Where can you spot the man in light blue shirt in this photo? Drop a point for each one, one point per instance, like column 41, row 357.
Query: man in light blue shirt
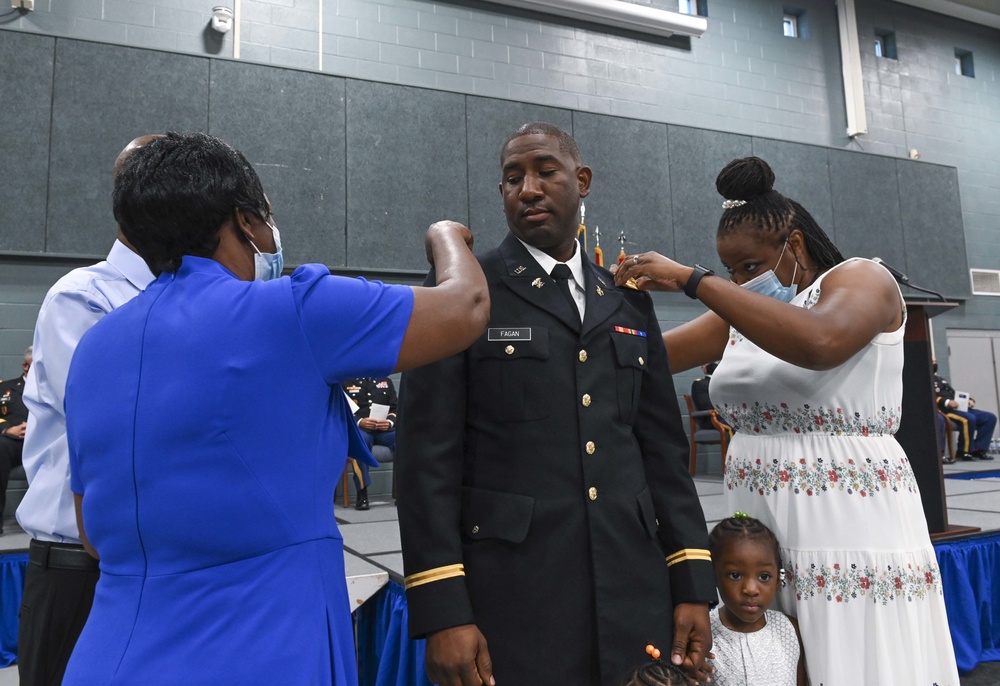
column 61, row 576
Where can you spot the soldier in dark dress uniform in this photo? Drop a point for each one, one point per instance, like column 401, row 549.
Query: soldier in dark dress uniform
column 13, row 422
column 975, row 427
column 365, row 392
column 548, row 521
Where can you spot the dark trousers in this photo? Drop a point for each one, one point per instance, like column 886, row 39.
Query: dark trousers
column 10, row 457
column 975, row 429
column 54, row 608
column 386, row 438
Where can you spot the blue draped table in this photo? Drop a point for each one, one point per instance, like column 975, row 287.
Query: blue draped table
column 386, row 654
column 11, row 583
column 388, row 657
column 969, row 569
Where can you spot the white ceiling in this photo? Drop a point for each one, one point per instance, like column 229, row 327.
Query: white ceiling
column 986, row 12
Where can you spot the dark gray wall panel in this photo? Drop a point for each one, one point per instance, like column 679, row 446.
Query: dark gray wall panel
column 696, row 158
column 866, row 206
column 25, row 109
column 802, row 173
column 290, row 125
column 104, row 97
column 406, row 156
column 489, row 122
column 934, row 234
column 631, row 187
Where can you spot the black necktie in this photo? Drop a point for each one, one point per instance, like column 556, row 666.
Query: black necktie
column 562, row 274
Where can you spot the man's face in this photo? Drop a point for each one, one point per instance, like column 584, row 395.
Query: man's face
column 26, row 365
column 541, row 189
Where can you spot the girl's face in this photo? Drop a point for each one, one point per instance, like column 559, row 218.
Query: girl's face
column 747, row 576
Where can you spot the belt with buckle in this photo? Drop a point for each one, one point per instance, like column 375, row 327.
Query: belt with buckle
column 49, row 555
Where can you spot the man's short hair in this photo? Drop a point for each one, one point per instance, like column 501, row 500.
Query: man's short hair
column 566, row 142
column 172, row 196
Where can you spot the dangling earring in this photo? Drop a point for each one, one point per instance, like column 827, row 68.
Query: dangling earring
column 782, row 574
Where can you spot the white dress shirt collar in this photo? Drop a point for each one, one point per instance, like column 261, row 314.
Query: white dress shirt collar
column 135, row 270
column 575, row 264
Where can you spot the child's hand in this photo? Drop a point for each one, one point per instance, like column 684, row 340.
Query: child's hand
column 705, row 674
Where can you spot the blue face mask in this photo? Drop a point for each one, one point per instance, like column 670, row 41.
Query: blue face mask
column 268, row 265
column 769, row 285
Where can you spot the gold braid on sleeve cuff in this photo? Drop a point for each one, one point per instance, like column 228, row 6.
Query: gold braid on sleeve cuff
column 436, row 574
column 689, row 554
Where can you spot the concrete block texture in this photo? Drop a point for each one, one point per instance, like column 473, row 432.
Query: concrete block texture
column 302, row 162
column 406, row 151
column 26, row 106
column 102, row 97
column 630, row 192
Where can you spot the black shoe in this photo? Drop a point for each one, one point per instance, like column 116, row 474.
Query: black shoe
column 968, row 457
column 981, row 455
column 362, row 501
column 947, row 459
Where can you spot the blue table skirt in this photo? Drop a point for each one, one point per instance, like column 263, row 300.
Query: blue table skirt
column 969, row 569
column 387, row 657
column 11, row 582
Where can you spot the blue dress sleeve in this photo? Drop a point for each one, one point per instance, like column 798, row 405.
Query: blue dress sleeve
column 354, row 327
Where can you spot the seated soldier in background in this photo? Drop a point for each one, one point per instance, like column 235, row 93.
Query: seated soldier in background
column 975, row 427
column 13, row 422
column 365, row 392
column 701, row 400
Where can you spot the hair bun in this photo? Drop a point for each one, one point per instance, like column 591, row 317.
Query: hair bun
column 744, row 179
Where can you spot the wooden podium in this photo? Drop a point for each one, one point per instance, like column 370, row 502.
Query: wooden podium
column 918, row 428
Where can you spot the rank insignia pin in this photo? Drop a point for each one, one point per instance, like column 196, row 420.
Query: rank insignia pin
column 520, row 269
column 599, row 291
column 538, row 283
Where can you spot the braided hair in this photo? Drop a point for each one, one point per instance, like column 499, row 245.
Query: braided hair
column 750, row 182
column 655, row 673
column 741, row 526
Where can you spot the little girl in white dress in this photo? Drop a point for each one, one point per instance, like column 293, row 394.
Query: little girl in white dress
column 753, row 646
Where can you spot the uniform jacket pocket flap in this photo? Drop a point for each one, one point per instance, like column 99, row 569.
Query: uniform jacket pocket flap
column 646, row 511
column 631, row 351
column 495, row 514
column 496, row 346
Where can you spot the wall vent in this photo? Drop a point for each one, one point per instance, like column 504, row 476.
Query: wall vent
column 985, row 281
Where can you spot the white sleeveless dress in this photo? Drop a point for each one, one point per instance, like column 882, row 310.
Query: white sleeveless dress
column 769, row 657
column 815, row 460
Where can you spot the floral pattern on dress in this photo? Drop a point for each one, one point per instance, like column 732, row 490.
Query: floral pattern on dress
column 864, row 477
column 812, row 298
column 843, row 583
column 768, row 418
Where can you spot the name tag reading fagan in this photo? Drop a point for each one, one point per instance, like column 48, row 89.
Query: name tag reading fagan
column 511, row 334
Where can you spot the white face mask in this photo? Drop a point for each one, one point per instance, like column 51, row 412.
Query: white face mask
column 268, row 265
column 768, row 283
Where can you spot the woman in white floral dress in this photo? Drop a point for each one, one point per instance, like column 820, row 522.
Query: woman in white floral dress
column 811, row 378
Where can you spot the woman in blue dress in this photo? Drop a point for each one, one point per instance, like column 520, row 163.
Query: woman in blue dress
column 208, row 430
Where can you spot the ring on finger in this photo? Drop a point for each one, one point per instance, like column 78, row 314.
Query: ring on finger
column 635, row 259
